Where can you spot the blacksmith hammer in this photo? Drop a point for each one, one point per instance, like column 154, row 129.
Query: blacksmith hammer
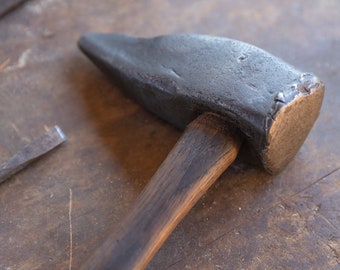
column 229, row 92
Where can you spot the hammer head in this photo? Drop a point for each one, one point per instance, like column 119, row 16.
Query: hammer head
column 179, row 77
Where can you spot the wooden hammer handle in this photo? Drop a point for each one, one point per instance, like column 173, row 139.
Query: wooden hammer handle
column 201, row 155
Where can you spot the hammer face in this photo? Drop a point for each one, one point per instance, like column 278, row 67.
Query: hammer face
column 292, row 123
column 179, row 77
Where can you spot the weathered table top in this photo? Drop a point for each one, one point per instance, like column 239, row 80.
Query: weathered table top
column 58, row 210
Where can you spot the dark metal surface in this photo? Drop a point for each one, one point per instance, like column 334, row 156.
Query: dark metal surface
column 7, row 6
column 31, row 152
column 247, row 220
column 178, row 77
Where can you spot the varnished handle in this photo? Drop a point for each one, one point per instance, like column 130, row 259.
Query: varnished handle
column 201, row 155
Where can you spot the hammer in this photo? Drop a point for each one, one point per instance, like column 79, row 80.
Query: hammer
column 224, row 92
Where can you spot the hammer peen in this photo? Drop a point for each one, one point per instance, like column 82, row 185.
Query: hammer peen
column 223, row 91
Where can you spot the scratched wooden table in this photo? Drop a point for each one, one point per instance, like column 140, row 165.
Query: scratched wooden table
column 58, row 210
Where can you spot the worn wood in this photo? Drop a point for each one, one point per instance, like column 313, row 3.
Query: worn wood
column 201, row 155
column 247, row 219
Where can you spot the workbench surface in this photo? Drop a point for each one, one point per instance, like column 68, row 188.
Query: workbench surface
column 58, row 210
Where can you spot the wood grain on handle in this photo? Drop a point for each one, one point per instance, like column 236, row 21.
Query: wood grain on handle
column 201, row 155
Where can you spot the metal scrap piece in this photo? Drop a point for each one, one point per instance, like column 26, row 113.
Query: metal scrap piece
column 31, row 152
column 7, row 6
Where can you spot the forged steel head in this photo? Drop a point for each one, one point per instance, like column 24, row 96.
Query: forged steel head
column 179, row 77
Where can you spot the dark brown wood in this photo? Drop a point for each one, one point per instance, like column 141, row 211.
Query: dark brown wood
column 246, row 220
column 200, row 156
